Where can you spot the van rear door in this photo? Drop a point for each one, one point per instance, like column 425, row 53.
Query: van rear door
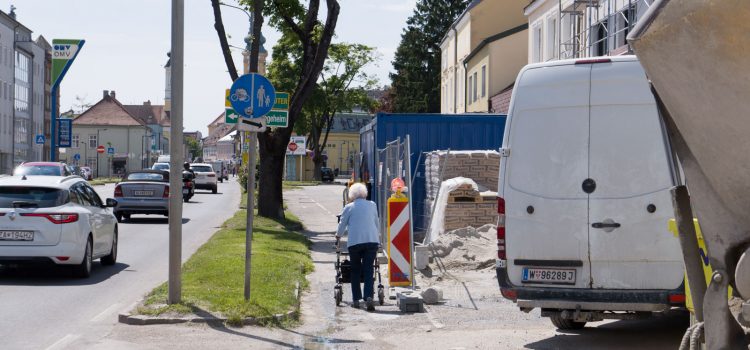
column 546, row 210
column 630, row 246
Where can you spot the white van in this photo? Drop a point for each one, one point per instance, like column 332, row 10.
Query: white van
column 584, row 195
column 163, row 159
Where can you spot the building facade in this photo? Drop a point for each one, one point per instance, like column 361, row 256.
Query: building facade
column 109, row 124
column 481, row 54
column 23, row 77
column 561, row 29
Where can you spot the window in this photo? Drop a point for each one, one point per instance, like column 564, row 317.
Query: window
column 96, row 201
column 475, row 87
column 75, row 141
column 536, row 48
column 92, row 141
column 37, row 197
column 484, row 81
column 469, row 86
column 551, row 38
column 600, row 30
column 22, row 75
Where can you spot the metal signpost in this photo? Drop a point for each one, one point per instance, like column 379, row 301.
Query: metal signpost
column 64, row 52
column 177, row 156
column 251, row 97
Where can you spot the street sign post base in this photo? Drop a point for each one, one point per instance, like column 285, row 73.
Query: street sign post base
column 252, row 125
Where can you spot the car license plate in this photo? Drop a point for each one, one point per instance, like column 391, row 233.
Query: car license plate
column 557, row 276
column 16, row 235
column 143, row 193
column 185, row 191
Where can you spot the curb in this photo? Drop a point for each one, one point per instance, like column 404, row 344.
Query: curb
column 146, row 320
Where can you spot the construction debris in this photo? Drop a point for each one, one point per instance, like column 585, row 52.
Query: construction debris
column 432, row 295
column 466, row 249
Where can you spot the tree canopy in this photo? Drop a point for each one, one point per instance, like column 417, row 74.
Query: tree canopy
column 415, row 84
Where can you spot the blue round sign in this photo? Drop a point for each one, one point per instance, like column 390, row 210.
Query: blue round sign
column 252, row 95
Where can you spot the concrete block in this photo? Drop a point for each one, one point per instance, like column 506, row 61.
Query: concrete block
column 409, row 302
column 432, row 295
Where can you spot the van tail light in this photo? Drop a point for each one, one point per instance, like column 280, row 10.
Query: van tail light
column 501, row 228
column 64, row 218
column 118, row 191
column 166, row 192
column 677, row 298
column 509, row 293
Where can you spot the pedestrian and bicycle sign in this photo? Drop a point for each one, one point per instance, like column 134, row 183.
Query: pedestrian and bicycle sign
column 252, row 96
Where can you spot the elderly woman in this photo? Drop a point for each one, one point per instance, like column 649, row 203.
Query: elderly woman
column 360, row 219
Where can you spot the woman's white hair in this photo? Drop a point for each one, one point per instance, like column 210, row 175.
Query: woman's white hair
column 357, row 190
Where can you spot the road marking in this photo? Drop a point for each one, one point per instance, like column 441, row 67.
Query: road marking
column 433, row 319
column 106, row 312
column 65, row 341
column 322, row 207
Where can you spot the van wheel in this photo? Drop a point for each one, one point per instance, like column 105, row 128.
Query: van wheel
column 566, row 324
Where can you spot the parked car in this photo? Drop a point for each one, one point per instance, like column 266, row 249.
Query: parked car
column 53, row 219
column 205, row 177
column 87, row 173
column 142, row 192
column 584, row 197
column 160, row 166
column 44, row 169
column 326, row 174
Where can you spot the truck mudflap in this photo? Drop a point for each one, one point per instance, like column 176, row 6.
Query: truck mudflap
column 592, row 299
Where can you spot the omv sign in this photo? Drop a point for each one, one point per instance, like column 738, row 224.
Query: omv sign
column 64, row 51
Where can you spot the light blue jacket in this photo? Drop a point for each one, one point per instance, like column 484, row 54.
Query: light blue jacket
column 360, row 220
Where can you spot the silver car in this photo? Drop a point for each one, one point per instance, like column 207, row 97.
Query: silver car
column 142, row 192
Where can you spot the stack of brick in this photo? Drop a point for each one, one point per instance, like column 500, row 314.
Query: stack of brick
column 466, row 206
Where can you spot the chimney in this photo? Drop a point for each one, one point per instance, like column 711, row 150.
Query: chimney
column 112, row 94
column 147, row 103
column 105, row 94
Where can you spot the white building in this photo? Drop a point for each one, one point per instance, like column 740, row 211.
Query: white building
column 560, row 29
column 22, row 93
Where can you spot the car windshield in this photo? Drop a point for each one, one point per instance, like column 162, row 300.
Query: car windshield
column 202, row 169
column 36, row 197
column 162, row 166
column 45, row 170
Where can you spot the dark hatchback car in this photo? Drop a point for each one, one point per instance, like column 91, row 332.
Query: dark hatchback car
column 326, row 174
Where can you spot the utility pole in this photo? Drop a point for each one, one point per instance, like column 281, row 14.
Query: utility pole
column 177, row 156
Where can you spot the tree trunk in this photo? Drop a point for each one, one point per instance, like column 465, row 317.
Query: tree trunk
column 271, row 172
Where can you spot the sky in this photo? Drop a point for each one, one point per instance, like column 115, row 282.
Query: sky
column 127, row 42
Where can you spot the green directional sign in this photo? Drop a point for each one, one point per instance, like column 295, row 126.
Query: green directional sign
column 278, row 119
column 230, row 116
column 64, row 51
column 282, row 101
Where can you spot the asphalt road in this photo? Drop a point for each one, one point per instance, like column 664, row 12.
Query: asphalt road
column 45, row 308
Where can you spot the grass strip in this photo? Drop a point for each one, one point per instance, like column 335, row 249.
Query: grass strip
column 213, row 278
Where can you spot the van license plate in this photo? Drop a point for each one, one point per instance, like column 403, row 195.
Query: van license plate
column 16, row 235
column 557, row 276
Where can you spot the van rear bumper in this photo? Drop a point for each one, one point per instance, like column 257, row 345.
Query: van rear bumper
column 587, row 299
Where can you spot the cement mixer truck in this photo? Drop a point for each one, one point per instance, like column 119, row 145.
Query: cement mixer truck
column 696, row 55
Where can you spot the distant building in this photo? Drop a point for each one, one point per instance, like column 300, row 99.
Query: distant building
column 108, row 123
column 24, row 93
column 217, row 131
column 155, row 117
column 482, row 53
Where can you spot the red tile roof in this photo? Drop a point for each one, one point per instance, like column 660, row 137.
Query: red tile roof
column 108, row 111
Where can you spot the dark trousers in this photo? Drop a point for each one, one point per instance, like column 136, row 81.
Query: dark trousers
column 362, row 257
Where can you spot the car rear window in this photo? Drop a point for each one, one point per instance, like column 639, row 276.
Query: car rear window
column 37, row 197
column 146, row 177
column 46, row 170
column 202, row 169
column 161, row 166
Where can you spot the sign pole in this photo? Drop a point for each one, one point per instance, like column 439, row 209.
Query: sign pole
column 52, row 124
column 177, row 156
column 250, row 210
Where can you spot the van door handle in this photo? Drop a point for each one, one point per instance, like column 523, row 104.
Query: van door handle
column 605, row 225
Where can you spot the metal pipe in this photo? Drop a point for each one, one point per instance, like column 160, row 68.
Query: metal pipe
column 177, row 156
column 683, row 214
column 407, row 161
column 250, row 211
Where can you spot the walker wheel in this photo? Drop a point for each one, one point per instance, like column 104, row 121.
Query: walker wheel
column 337, row 295
column 381, row 295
